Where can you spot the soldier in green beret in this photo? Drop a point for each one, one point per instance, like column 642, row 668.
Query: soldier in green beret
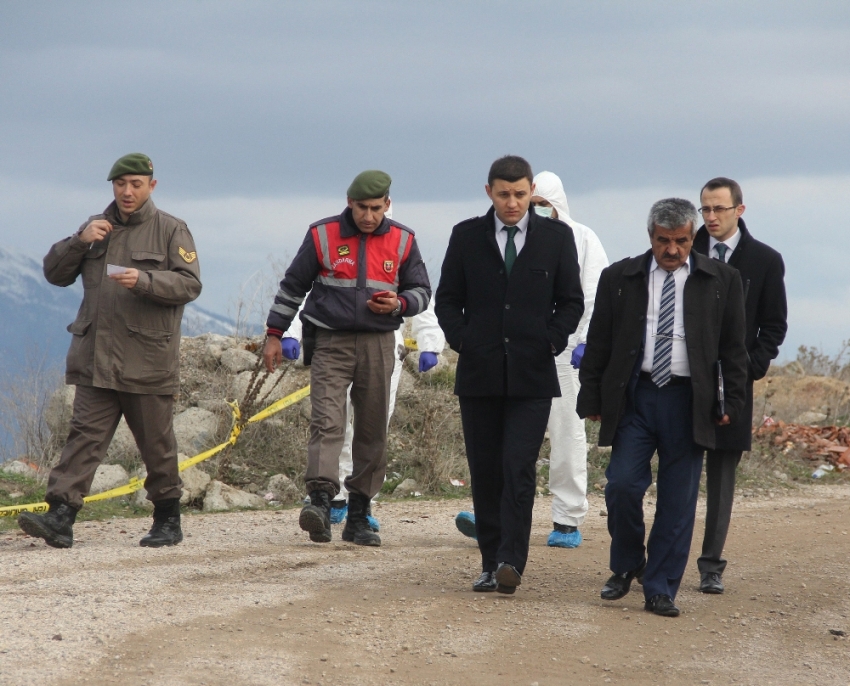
column 139, row 267
column 363, row 273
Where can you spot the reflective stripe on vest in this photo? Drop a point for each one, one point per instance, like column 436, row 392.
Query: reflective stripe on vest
column 339, row 257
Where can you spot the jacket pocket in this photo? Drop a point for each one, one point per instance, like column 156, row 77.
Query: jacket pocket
column 80, row 358
column 92, row 267
column 148, row 260
column 150, row 358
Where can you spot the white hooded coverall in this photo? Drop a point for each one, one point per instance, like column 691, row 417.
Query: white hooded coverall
column 567, row 437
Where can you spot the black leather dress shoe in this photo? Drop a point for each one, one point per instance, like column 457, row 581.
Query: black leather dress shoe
column 661, row 605
column 507, row 578
column 619, row 584
column 709, row 582
column 485, row 583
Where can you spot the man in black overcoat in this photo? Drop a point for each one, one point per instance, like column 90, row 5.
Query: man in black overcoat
column 725, row 237
column 509, row 298
column 661, row 322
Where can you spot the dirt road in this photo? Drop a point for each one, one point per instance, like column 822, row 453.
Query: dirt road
column 246, row 599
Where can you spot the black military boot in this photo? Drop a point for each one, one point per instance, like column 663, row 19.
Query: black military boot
column 166, row 525
column 55, row 526
column 315, row 517
column 357, row 529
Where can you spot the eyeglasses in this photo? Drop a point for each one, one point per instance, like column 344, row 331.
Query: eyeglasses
column 717, row 209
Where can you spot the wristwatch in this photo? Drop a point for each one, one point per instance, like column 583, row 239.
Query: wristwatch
column 397, row 311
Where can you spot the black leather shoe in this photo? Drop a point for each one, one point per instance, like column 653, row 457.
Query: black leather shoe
column 661, row 605
column 55, row 526
column 507, row 578
column 709, row 582
column 619, row 584
column 315, row 518
column 485, row 583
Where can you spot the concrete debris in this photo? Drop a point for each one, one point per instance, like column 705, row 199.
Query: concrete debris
column 237, row 360
column 195, row 483
column 107, row 477
column 220, row 497
column 19, row 467
column 405, row 488
column 284, row 490
column 195, row 430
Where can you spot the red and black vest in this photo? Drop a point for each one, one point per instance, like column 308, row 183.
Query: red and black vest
column 341, row 258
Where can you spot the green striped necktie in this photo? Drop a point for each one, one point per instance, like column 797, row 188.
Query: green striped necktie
column 510, row 249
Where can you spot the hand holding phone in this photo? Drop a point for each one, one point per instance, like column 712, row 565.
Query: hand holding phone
column 381, row 294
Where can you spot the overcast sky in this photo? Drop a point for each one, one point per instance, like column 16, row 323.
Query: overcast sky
column 258, row 114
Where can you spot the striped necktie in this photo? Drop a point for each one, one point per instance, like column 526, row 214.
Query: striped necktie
column 510, row 248
column 663, row 354
column 721, row 251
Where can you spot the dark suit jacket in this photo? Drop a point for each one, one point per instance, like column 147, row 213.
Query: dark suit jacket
column 508, row 330
column 763, row 277
column 714, row 330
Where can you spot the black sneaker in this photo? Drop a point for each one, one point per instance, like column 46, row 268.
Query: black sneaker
column 315, row 518
column 55, row 526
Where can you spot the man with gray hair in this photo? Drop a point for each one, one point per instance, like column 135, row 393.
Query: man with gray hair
column 665, row 326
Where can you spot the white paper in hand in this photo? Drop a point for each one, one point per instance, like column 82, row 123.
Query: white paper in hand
column 114, row 269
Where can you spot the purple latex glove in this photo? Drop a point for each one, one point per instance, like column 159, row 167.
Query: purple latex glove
column 290, row 347
column 578, row 353
column 427, row 361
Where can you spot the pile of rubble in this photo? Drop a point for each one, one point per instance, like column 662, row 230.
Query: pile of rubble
column 829, row 444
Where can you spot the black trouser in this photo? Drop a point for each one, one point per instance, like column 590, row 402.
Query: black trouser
column 503, row 436
column 720, row 468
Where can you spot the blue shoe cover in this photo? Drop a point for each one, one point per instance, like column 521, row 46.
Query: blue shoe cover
column 558, row 539
column 373, row 523
column 465, row 523
column 338, row 514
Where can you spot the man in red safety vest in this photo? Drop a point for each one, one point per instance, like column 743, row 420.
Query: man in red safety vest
column 363, row 273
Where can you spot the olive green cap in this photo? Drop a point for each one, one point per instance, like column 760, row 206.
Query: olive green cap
column 370, row 184
column 134, row 163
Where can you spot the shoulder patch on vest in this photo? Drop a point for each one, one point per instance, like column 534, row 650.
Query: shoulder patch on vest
column 388, row 265
column 188, row 257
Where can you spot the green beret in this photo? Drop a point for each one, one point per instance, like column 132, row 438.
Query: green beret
column 370, row 184
column 134, row 163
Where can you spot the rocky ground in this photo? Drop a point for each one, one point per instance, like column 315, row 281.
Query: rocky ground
column 247, row 599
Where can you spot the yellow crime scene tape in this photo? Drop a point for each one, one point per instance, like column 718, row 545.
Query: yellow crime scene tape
column 411, row 343
column 135, row 483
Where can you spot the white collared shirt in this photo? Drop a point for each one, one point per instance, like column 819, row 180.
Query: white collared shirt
column 731, row 243
column 519, row 236
column 679, row 363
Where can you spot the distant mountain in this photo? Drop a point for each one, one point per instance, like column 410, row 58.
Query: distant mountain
column 35, row 313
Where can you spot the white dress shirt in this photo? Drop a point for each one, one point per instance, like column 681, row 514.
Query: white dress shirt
column 502, row 234
column 679, row 363
column 731, row 243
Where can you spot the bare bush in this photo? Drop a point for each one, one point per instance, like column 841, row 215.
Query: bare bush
column 25, row 398
column 812, row 361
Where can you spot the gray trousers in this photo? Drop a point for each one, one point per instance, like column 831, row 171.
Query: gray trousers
column 720, row 468
column 96, row 414
column 365, row 361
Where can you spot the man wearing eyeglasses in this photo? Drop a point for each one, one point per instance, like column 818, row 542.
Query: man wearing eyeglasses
column 725, row 237
column 661, row 321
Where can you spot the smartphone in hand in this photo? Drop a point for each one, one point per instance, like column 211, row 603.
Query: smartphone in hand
column 381, row 294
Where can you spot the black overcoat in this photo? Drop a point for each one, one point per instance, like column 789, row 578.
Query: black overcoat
column 714, row 330
column 763, row 277
column 508, row 329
